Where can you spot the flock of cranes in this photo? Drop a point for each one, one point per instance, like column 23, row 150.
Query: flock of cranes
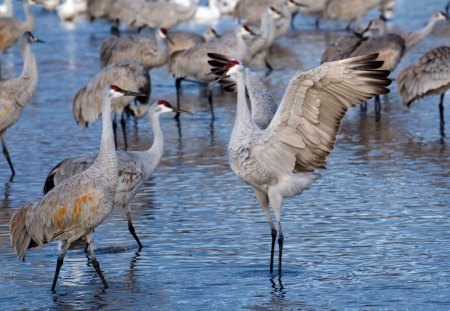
column 276, row 148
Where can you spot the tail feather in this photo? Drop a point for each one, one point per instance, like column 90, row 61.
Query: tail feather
column 20, row 237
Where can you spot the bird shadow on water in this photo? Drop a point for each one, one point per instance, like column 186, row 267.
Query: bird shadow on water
column 278, row 291
column 6, row 194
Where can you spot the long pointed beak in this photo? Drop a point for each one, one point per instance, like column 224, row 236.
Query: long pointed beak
column 170, row 40
column 218, row 79
column 39, row 40
column 182, row 111
column 131, row 93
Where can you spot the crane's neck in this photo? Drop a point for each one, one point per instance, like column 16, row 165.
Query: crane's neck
column 186, row 14
column 243, row 119
column 162, row 47
column 152, row 156
column 29, row 23
column 268, row 29
column 107, row 158
column 241, row 46
column 419, row 35
column 29, row 74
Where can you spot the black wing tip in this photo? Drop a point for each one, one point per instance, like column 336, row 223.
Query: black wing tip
column 217, row 56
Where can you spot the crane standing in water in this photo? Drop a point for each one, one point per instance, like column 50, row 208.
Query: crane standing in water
column 16, row 93
column 279, row 161
column 135, row 167
column 74, row 208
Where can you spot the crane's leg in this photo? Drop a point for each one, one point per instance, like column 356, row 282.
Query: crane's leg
column 377, row 107
column 59, row 264
column 317, row 23
column 94, row 260
column 8, row 159
column 178, row 88
column 363, row 106
column 264, row 203
column 293, row 20
column 114, row 125
column 124, row 130
column 268, row 66
column 441, row 114
column 276, row 200
column 210, row 102
column 131, row 228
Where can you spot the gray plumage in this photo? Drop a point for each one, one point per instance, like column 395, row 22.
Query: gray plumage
column 129, row 75
column 351, row 10
column 134, row 167
column 280, row 160
column 11, row 29
column 342, row 48
column 148, row 51
column 429, row 76
column 16, row 93
column 183, row 40
column 76, row 206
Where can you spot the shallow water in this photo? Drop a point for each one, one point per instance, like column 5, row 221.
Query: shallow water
column 372, row 234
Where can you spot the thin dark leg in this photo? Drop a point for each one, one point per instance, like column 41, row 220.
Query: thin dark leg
column 293, row 20
column 280, row 255
column 8, row 159
column 115, row 28
column 441, row 115
column 178, row 87
column 363, row 107
column 269, row 67
column 377, row 108
column 272, row 251
column 317, row 24
column 210, row 102
column 114, row 125
column 124, row 130
column 59, row 264
column 132, row 231
column 99, row 271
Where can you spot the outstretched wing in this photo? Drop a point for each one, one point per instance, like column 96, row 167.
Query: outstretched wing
column 303, row 131
column 431, row 73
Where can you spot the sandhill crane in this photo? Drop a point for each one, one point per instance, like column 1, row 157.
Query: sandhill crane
column 16, row 93
column 164, row 14
column 184, row 39
column 280, row 161
column 429, row 76
column 11, row 29
column 147, row 51
column 345, row 10
column 251, row 11
column 193, row 63
column 134, row 167
column 76, row 206
column 6, row 9
column 129, row 75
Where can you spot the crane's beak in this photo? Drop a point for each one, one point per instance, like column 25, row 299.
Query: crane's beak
column 217, row 80
column 170, row 40
column 39, row 40
column 131, row 93
column 181, row 111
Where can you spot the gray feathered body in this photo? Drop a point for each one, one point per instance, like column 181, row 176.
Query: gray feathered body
column 129, row 75
column 149, row 52
column 429, row 76
column 350, row 10
column 390, row 47
column 165, row 14
column 342, row 48
column 16, row 93
column 183, row 40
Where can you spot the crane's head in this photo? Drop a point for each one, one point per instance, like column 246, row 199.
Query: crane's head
column 164, row 33
column 116, row 92
column 439, row 16
column 210, row 34
column 30, row 39
column 162, row 106
column 246, row 31
column 225, row 69
column 274, row 13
